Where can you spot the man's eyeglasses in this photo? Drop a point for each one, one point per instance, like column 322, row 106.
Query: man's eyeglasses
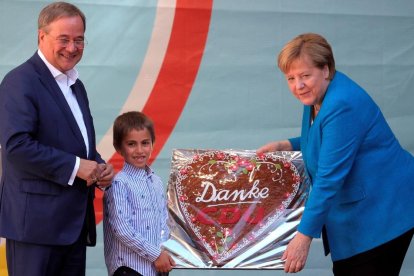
column 79, row 43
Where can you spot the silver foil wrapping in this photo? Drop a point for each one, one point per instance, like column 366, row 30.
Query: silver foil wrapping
column 232, row 209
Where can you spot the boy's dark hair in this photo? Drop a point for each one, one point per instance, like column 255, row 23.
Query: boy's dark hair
column 128, row 121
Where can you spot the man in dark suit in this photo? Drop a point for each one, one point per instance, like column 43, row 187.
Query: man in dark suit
column 50, row 164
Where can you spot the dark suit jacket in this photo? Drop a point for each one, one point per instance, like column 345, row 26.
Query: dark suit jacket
column 40, row 140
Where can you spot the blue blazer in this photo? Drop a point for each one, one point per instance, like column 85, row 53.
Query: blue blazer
column 362, row 179
column 40, row 140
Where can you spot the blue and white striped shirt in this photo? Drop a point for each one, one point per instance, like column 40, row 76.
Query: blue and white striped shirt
column 135, row 220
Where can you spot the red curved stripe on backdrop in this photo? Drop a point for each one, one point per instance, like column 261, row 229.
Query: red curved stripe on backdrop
column 176, row 77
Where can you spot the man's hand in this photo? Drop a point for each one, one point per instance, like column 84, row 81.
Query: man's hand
column 89, row 171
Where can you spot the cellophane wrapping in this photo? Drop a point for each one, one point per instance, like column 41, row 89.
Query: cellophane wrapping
column 233, row 209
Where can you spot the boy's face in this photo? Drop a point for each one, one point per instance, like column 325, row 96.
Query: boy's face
column 136, row 148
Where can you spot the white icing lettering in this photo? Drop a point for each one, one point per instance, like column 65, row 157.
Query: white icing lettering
column 236, row 195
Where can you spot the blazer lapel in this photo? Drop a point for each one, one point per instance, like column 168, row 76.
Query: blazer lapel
column 53, row 88
column 306, row 124
column 80, row 95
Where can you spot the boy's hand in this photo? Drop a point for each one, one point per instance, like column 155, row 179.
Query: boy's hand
column 107, row 174
column 164, row 263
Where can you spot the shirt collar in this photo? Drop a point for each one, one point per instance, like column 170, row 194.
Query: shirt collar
column 72, row 74
column 134, row 171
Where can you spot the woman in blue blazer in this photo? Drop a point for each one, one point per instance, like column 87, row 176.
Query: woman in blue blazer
column 362, row 179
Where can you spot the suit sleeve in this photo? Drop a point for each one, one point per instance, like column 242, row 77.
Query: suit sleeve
column 295, row 142
column 20, row 132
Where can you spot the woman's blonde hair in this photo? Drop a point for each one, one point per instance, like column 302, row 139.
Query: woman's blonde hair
column 314, row 46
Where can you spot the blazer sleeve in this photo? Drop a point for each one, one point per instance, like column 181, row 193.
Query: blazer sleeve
column 21, row 130
column 295, row 142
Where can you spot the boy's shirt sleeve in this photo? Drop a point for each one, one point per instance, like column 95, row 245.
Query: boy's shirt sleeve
column 120, row 217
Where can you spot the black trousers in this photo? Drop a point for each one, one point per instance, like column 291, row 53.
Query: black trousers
column 126, row 271
column 384, row 260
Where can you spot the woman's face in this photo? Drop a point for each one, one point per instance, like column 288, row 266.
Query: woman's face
column 307, row 82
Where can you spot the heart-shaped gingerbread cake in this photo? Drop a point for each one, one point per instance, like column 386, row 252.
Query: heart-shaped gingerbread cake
column 228, row 201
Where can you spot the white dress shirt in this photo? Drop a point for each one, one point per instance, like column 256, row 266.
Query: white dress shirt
column 65, row 80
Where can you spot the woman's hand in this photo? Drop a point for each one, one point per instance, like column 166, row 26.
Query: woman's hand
column 283, row 145
column 296, row 253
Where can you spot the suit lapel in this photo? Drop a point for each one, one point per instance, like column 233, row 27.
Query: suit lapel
column 306, row 123
column 80, row 95
column 53, row 89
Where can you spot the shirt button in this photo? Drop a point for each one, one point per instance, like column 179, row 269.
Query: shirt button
column 148, row 227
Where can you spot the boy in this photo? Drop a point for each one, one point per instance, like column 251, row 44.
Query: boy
column 135, row 211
